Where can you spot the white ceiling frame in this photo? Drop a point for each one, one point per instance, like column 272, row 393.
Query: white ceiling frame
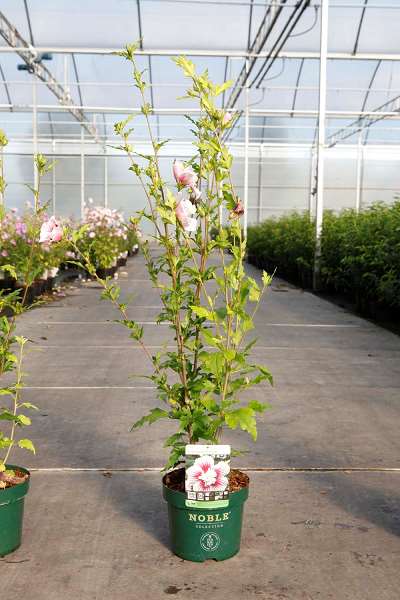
column 29, row 54
column 206, row 53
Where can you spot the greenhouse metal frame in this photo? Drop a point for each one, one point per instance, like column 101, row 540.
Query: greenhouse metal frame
column 315, row 137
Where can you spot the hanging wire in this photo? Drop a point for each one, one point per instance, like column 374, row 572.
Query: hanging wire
column 293, row 35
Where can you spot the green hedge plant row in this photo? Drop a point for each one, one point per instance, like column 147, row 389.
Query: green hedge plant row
column 360, row 253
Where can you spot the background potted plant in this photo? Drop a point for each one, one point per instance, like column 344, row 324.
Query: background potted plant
column 14, row 480
column 208, row 301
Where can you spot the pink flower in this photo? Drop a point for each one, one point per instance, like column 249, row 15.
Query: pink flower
column 184, row 213
column 50, row 231
column 20, row 228
column 238, row 211
column 227, row 118
column 184, row 175
column 205, row 476
column 4, row 253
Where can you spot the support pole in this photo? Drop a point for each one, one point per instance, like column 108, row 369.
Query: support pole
column 260, row 179
column 34, row 131
column 246, row 155
column 105, row 178
column 312, row 182
column 82, row 172
column 319, row 209
column 53, row 179
column 360, row 164
column 2, row 174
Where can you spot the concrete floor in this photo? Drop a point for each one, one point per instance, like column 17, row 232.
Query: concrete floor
column 327, row 534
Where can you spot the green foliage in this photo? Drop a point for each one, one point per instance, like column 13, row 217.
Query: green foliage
column 11, row 360
column 286, row 244
column 361, row 255
column 360, row 252
column 208, row 300
column 23, row 258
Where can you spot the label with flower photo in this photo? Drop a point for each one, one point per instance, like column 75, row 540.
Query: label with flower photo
column 206, row 475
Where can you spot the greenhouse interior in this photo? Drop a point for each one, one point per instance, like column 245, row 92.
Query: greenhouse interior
column 200, row 233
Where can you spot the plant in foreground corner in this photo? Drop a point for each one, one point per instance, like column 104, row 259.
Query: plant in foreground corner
column 30, row 240
column 208, row 300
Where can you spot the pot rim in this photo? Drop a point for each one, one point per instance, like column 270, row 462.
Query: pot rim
column 178, row 498
column 15, row 492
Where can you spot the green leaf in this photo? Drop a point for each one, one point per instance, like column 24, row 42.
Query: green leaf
column 243, row 418
column 175, row 457
column 267, row 279
column 28, row 405
column 6, row 415
column 201, row 312
column 258, row 406
column 23, row 420
column 173, row 439
column 221, row 313
column 5, row 442
column 154, row 415
column 210, row 339
column 223, row 87
column 27, row 444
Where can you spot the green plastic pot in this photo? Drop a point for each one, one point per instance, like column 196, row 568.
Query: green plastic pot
column 199, row 534
column 12, row 513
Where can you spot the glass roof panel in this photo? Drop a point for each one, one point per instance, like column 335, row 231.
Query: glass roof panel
column 277, row 89
column 14, row 11
column 386, row 131
column 89, row 23
column 170, row 24
column 380, row 29
column 106, row 80
column 386, row 85
column 347, row 83
column 194, row 25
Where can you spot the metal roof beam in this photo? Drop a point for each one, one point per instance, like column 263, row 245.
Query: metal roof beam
column 360, row 27
column 211, row 53
column 255, row 112
column 7, row 90
column 288, row 27
column 266, row 27
column 30, row 56
column 297, row 84
column 367, row 118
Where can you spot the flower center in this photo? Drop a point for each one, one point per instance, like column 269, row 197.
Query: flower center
column 209, row 477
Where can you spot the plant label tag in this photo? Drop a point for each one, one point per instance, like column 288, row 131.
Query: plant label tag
column 207, row 475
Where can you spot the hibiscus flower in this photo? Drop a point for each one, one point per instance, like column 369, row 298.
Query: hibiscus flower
column 50, row 231
column 184, row 213
column 205, row 476
column 184, row 176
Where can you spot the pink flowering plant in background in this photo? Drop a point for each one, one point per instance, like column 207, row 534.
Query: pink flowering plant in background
column 104, row 237
column 25, row 240
column 197, row 264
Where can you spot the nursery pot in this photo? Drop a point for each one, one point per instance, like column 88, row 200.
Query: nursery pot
column 11, row 514
column 199, row 534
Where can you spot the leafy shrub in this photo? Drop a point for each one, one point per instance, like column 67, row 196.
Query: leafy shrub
column 360, row 252
column 286, row 244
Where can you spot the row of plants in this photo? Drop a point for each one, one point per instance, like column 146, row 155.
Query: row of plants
column 360, row 253
column 105, row 235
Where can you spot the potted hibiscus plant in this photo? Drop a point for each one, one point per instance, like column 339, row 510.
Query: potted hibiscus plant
column 209, row 303
column 14, row 480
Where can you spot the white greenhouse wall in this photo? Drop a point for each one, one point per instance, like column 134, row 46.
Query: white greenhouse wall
column 279, row 177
